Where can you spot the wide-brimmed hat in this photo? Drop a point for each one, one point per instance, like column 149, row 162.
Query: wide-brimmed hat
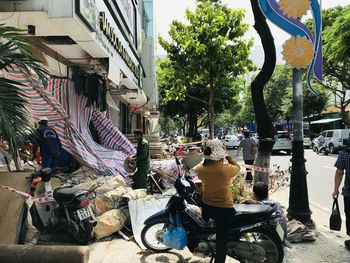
column 129, row 166
column 217, row 150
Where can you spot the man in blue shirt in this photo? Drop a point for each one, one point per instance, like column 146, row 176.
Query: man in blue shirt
column 343, row 163
column 50, row 147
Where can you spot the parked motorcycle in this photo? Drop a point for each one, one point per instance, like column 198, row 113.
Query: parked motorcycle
column 255, row 236
column 70, row 211
column 322, row 149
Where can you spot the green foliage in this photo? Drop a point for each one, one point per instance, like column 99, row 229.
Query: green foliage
column 205, row 57
column 337, row 37
column 15, row 49
column 278, row 94
column 313, row 104
column 336, row 53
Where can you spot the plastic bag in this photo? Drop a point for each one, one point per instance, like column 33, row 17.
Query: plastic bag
column 175, row 236
column 335, row 219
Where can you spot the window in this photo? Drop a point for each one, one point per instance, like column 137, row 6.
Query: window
column 329, row 134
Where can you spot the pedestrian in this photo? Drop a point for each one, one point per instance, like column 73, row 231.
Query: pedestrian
column 249, row 146
column 142, row 159
column 50, row 146
column 321, row 142
column 217, row 200
column 343, row 163
column 261, row 196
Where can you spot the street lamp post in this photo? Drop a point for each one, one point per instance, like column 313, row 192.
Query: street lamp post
column 298, row 195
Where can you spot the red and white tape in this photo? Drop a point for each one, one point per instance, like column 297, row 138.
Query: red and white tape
column 257, row 168
column 41, row 200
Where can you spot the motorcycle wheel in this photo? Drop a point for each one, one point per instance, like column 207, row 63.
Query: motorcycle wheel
column 269, row 241
column 152, row 237
column 83, row 236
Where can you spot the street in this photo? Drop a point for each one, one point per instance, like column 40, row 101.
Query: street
column 320, row 178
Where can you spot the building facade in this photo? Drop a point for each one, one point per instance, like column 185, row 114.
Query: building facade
column 103, row 37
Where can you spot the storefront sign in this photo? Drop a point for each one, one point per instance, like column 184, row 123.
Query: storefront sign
column 107, row 32
column 111, row 35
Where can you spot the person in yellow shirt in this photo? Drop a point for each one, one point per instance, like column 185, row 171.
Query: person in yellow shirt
column 217, row 199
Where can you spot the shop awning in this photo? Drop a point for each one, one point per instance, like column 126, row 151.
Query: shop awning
column 127, row 83
column 325, row 121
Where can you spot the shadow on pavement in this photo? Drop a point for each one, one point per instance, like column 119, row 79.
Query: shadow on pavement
column 167, row 257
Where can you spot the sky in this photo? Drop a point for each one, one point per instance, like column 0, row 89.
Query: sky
column 168, row 10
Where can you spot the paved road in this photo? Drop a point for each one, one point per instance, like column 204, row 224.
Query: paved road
column 320, row 176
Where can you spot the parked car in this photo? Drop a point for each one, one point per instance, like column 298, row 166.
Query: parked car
column 231, row 141
column 334, row 139
column 307, row 142
column 283, row 142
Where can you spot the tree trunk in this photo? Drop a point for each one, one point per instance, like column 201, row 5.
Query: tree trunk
column 265, row 128
column 192, row 120
column 211, row 115
column 309, row 122
column 345, row 115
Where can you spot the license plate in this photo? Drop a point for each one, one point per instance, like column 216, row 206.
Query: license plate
column 85, row 212
column 280, row 231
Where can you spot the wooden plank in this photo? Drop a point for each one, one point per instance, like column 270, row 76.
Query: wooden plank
column 11, row 205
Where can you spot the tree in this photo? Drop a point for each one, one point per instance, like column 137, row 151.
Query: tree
column 336, row 53
column 264, row 122
column 188, row 108
column 207, row 54
column 15, row 49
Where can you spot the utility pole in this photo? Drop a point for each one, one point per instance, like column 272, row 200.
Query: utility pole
column 298, row 194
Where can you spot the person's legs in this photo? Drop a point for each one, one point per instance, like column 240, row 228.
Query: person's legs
column 347, row 219
column 223, row 219
column 140, row 180
column 347, row 213
column 46, row 160
column 249, row 176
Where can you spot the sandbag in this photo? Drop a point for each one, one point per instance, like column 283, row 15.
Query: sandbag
column 102, row 204
column 136, row 194
column 109, row 223
column 117, row 194
column 109, row 183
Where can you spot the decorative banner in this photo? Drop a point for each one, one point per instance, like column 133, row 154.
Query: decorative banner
column 303, row 49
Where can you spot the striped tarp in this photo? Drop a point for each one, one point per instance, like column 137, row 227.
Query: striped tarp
column 110, row 136
column 69, row 116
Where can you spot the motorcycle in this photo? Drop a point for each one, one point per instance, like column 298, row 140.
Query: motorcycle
column 322, row 149
column 256, row 234
column 70, row 211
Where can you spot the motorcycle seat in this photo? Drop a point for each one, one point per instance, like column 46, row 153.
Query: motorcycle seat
column 252, row 211
column 66, row 194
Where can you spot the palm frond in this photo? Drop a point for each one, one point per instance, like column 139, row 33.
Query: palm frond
column 15, row 50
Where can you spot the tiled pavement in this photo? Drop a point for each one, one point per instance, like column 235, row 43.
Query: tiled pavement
column 328, row 247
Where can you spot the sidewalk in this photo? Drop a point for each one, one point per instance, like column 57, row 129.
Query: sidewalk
column 328, row 247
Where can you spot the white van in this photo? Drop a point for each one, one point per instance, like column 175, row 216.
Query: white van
column 335, row 139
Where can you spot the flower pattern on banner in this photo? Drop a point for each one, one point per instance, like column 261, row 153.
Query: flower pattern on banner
column 294, row 8
column 298, row 52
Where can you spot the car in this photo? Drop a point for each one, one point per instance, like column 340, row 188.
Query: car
column 231, row 141
column 334, row 139
column 283, row 142
column 307, row 142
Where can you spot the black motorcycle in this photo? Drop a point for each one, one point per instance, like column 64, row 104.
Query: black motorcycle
column 255, row 236
column 70, row 212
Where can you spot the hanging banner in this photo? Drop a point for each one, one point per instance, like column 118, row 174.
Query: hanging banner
column 304, row 49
